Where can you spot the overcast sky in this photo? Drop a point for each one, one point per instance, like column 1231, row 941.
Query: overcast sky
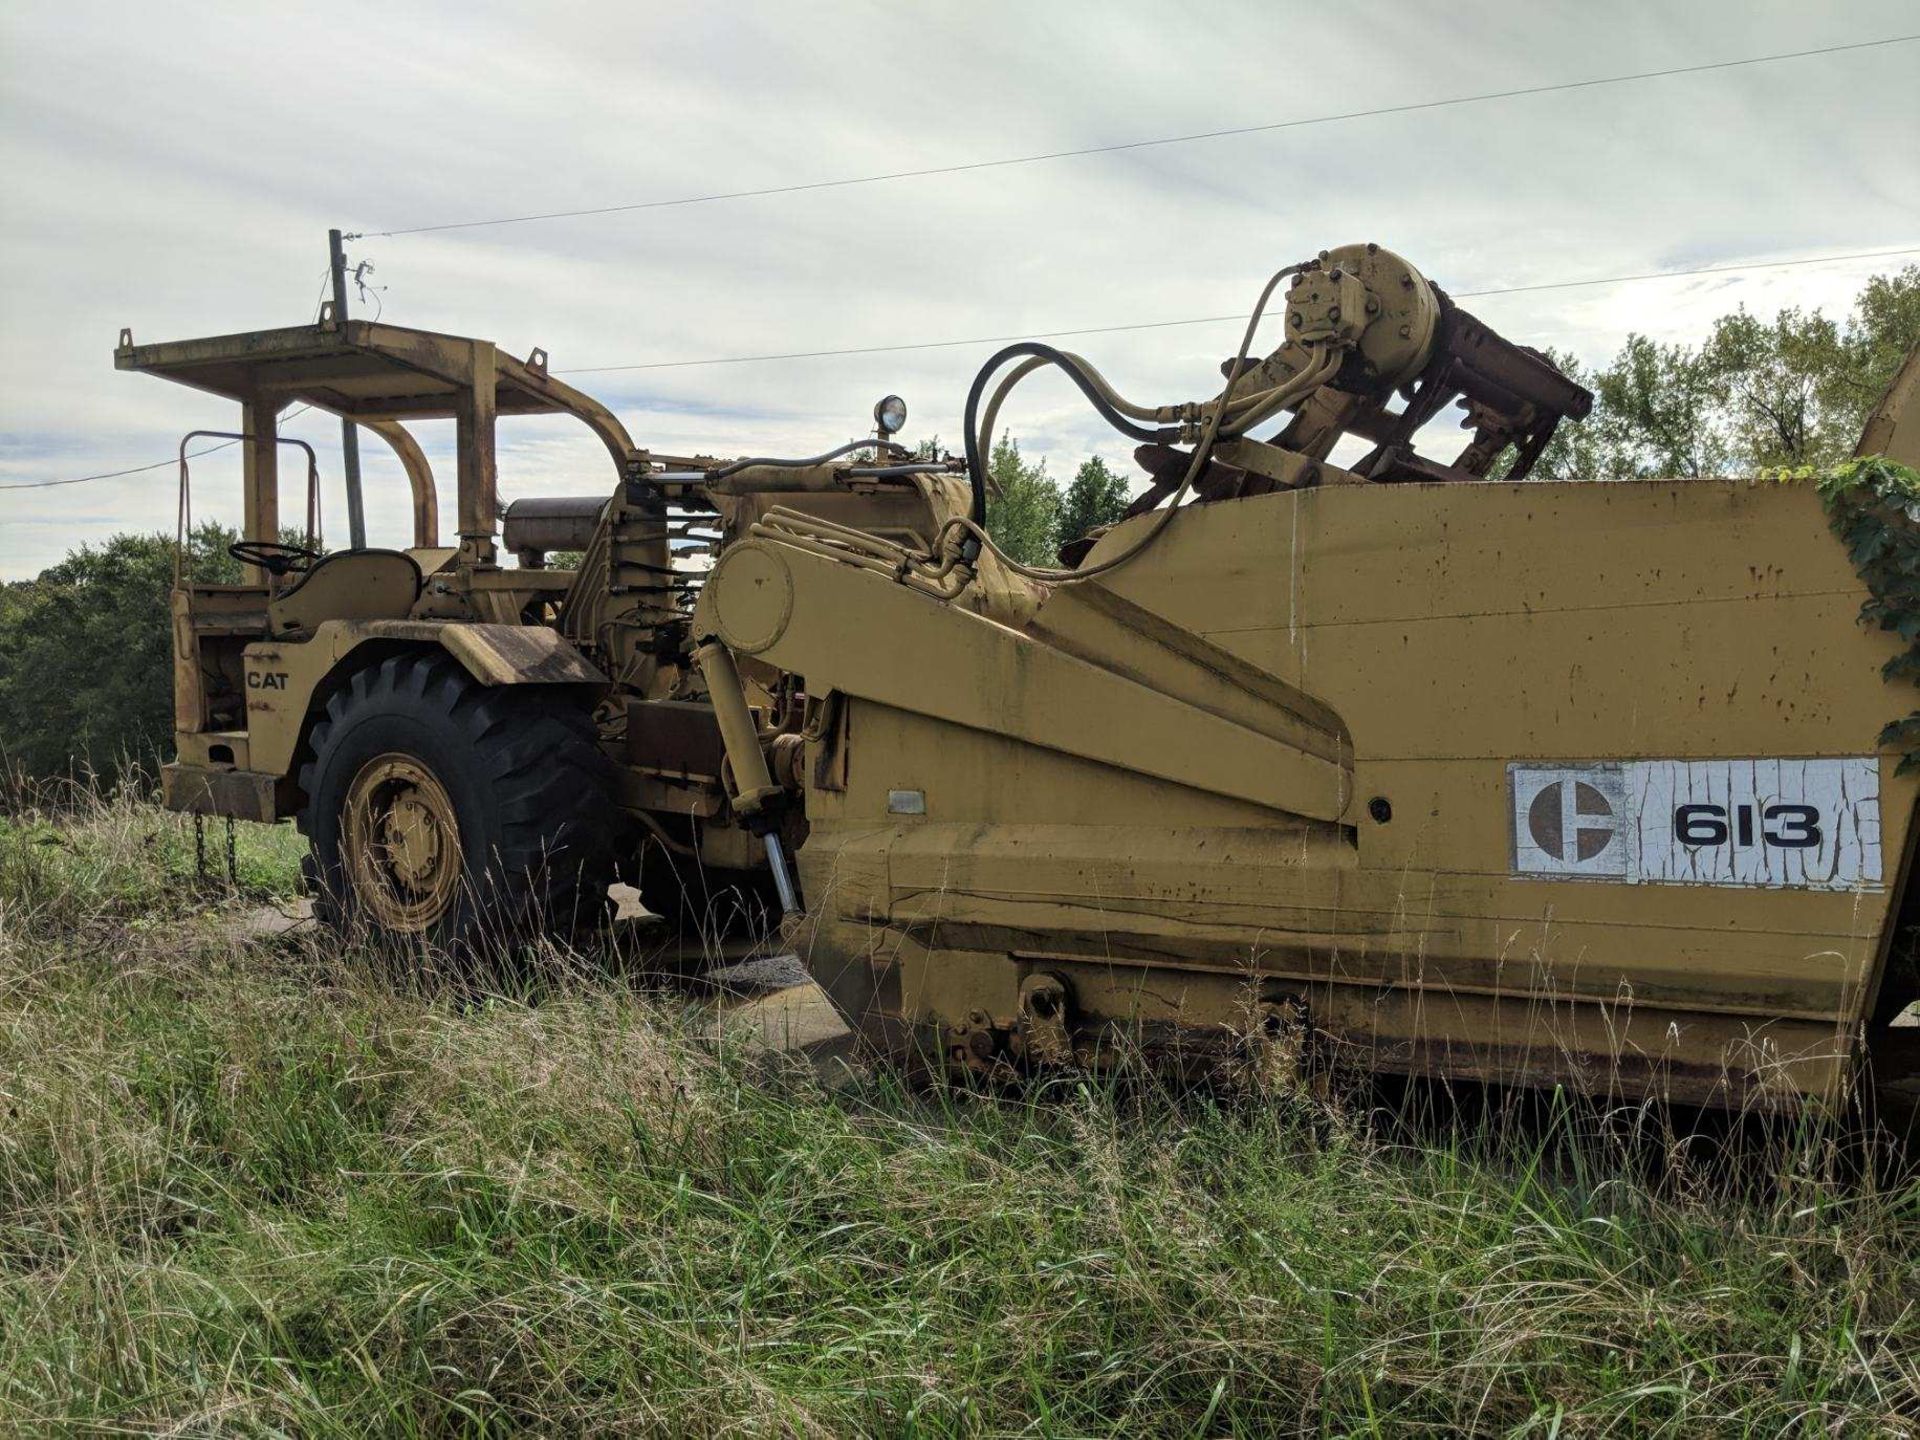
column 174, row 168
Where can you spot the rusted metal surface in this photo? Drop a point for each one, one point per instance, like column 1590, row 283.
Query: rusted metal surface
column 260, row 474
column 505, row 654
column 675, row 736
column 1893, row 429
column 534, row 527
column 379, row 375
column 197, row 790
column 401, row 844
column 1535, row 783
column 1537, row 635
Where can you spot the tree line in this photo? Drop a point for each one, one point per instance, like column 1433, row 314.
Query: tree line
column 1754, row 395
column 86, row 654
column 86, row 647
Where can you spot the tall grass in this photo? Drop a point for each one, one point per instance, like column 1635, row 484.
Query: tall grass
column 251, row 1184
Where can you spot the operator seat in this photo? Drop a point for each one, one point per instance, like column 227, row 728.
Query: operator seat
column 347, row 585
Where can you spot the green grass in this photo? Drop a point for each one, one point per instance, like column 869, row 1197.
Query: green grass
column 255, row 1186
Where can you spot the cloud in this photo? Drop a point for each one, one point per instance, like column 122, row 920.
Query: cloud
column 175, row 168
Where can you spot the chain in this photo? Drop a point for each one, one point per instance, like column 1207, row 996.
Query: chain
column 200, row 870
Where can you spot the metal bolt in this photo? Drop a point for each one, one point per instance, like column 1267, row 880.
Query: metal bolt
column 1373, row 306
column 1372, row 248
column 1406, row 332
column 1336, row 273
column 1297, row 321
column 1333, row 314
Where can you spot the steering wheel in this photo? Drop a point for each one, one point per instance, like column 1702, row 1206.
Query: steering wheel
column 273, row 557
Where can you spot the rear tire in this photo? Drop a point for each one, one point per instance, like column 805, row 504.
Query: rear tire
column 456, row 815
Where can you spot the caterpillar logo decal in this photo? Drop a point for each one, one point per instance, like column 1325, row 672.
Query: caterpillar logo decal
column 266, row 679
column 1570, row 820
column 1778, row 824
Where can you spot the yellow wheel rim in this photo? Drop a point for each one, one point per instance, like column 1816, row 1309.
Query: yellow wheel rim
column 401, row 843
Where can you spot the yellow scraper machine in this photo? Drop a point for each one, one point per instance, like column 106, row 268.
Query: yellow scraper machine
column 1405, row 764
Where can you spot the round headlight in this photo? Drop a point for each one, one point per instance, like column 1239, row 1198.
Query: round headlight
column 890, row 415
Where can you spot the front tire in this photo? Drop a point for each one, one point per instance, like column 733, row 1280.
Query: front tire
column 456, row 815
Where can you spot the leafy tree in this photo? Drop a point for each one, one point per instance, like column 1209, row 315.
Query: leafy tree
column 1794, row 391
column 1097, row 496
column 86, row 654
column 1657, row 413
column 1884, row 327
column 1772, row 382
column 1024, row 516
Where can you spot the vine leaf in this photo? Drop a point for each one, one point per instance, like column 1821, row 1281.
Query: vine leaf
column 1873, row 508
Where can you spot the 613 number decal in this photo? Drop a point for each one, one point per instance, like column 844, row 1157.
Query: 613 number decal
column 1773, row 823
column 1781, row 826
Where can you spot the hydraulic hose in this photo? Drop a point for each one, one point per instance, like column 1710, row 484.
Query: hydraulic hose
column 1319, row 370
column 1047, row 354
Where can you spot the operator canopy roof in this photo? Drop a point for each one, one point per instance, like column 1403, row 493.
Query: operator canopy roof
column 368, row 372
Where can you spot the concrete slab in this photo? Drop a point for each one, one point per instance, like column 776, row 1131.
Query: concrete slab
column 266, row 921
column 759, row 975
column 798, row 1017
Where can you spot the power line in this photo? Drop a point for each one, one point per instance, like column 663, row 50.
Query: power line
column 1219, row 319
column 1410, row 108
column 141, row 469
column 1058, row 335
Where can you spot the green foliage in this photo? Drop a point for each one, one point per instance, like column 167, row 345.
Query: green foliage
column 1031, row 517
column 86, row 654
column 1873, row 506
column 1774, row 385
column 248, row 1186
column 1755, row 395
column 73, row 859
column 1656, row 412
column 1024, row 517
column 1096, row 497
column 1885, row 326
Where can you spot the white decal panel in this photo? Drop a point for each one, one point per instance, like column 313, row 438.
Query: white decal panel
column 1774, row 824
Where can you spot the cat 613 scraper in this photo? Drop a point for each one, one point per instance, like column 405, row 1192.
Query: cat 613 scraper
column 1393, row 762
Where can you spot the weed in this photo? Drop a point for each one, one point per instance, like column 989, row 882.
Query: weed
column 249, row 1184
